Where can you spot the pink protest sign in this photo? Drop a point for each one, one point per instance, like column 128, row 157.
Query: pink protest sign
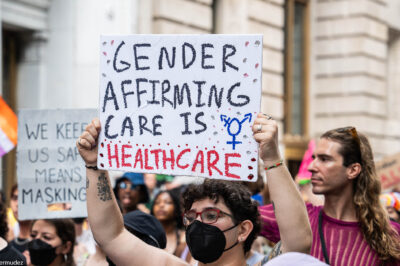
column 180, row 104
column 304, row 176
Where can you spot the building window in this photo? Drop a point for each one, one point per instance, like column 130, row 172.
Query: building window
column 296, row 81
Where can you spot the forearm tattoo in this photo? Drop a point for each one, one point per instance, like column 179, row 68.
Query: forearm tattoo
column 103, row 189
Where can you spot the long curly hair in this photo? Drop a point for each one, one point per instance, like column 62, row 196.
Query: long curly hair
column 374, row 222
column 236, row 197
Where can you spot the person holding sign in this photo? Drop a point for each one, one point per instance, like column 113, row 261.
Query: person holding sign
column 211, row 210
column 351, row 228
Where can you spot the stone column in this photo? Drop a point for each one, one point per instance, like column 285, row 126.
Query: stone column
column 350, row 67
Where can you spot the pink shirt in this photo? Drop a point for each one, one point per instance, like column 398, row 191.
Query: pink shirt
column 344, row 241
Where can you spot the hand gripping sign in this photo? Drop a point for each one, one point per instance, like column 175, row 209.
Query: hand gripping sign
column 180, row 104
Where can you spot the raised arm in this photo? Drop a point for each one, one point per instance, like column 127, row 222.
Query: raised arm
column 104, row 216
column 290, row 211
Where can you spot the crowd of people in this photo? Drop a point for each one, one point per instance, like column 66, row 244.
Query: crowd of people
column 149, row 219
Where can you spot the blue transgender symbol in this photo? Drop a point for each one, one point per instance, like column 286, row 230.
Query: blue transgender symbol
column 234, row 126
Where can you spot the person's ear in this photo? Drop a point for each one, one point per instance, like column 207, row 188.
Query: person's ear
column 245, row 228
column 354, row 170
column 66, row 247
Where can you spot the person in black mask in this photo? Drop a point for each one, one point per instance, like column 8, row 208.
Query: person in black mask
column 221, row 219
column 52, row 242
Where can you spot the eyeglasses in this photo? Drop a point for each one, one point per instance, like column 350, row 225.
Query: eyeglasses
column 130, row 186
column 352, row 131
column 208, row 216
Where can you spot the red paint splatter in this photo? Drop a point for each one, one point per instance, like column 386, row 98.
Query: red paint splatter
column 102, row 145
column 104, row 53
column 246, row 44
column 101, row 155
column 102, row 165
column 257, row 65
column 250, row 176
column 253, row 159
column 159, row 144
column 187, row 144
column 250, row 167
column 112, row 42
column 245, row 75
column 167, row 144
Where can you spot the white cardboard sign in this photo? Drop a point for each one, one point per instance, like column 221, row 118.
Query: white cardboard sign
column 51, row 173
column 180, row 104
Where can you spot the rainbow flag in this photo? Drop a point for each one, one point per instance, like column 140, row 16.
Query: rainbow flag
column 8, row 128
column 304, row 176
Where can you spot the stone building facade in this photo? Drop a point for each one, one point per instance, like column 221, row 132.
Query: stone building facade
column 326, row 63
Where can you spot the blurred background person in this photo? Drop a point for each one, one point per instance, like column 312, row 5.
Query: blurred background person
column 391, row 202
column 146, row 227
column 7, row 252
column 12, row 213
column 85, row 245
column 150, row 180
column 131, row 192
column 167, row 210
column 19, row 235
column 52, row 242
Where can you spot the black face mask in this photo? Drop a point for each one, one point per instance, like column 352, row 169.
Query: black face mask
column 206, row 242
column 41, row 253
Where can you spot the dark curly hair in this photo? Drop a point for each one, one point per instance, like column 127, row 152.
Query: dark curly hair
column 177, row 207
column 236, row 197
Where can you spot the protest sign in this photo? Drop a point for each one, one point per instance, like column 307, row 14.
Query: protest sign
column 180, row 104
column 388, row 170
column 51, row 173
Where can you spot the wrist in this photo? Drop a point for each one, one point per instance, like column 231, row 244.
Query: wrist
column 91, row 166
column 272, row 164
column 272, row 160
